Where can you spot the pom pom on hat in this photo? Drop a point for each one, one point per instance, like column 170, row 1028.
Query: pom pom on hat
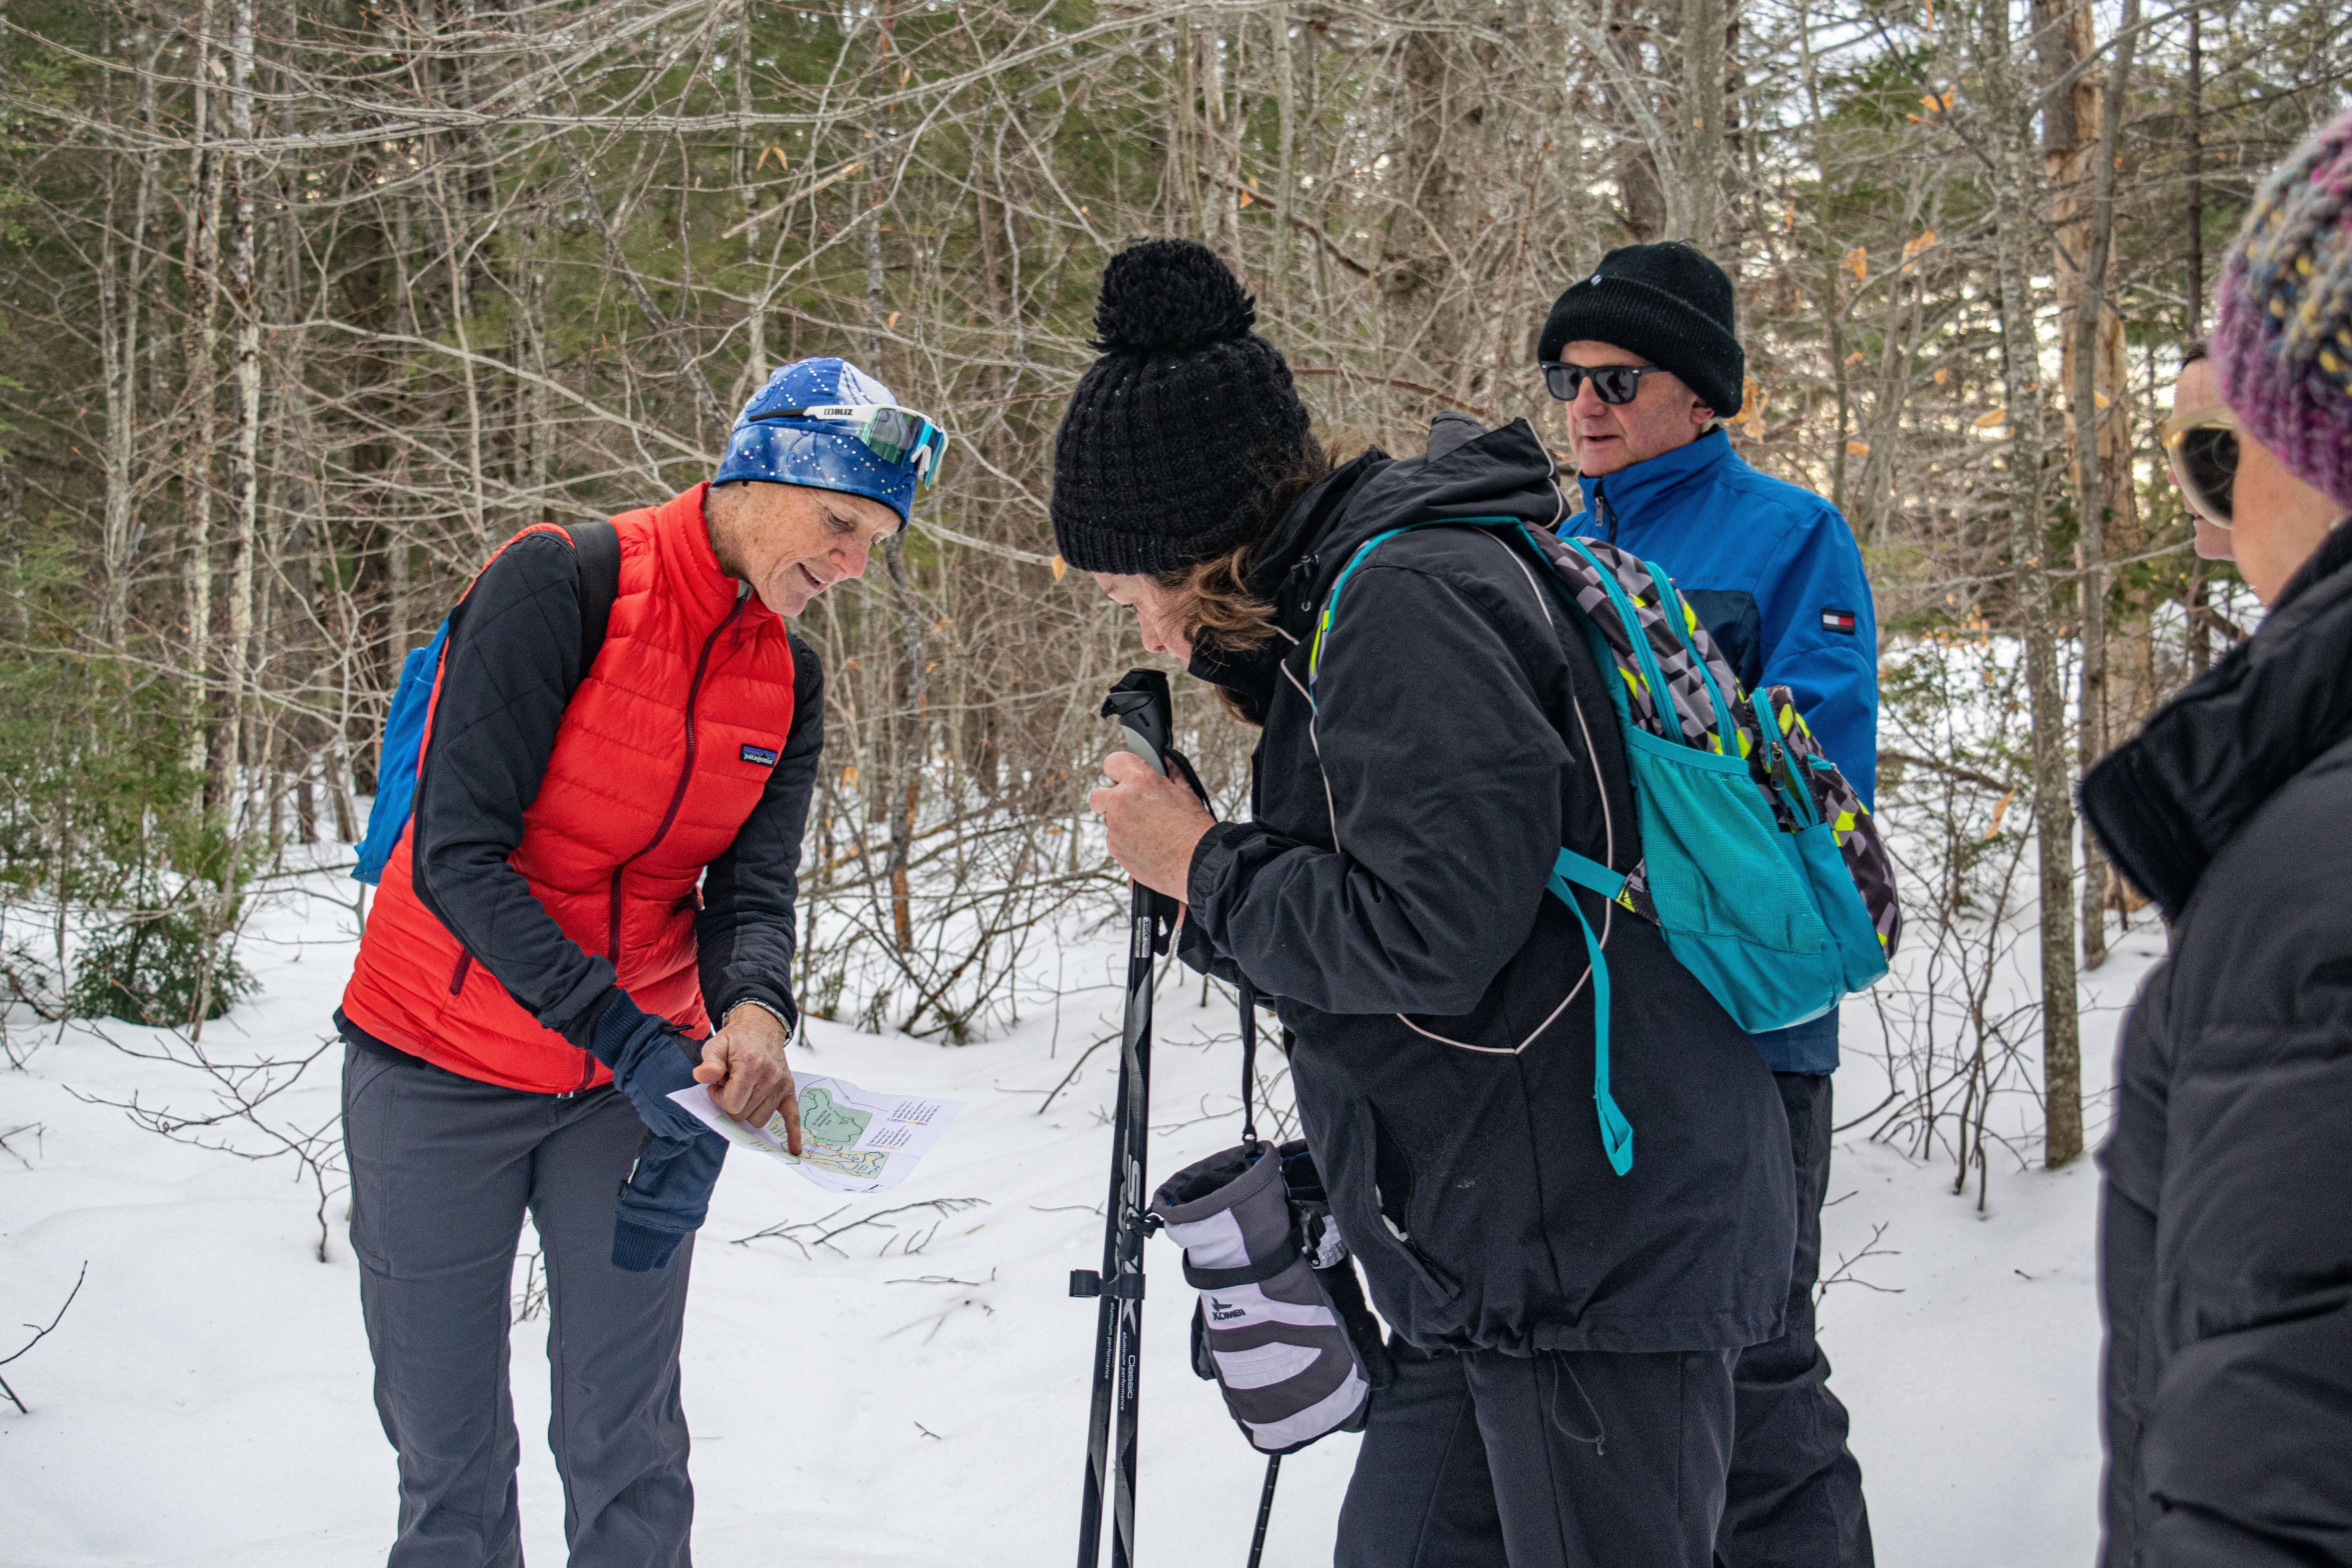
column 1170, row 296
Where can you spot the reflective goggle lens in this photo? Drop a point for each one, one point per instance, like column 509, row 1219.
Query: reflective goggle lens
column 897, row 435
column 892, row 432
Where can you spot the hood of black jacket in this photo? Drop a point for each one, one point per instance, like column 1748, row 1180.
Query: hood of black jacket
column 2164, row 802
column 1468, row 471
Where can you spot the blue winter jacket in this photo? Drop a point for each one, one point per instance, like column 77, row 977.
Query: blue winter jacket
column 1774, row 573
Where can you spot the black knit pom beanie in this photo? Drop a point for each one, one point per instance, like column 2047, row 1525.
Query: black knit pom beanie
column 1176, row 438
column 1667, row 302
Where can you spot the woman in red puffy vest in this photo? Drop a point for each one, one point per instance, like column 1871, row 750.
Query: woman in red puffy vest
column 601, row 862
column 666, row 746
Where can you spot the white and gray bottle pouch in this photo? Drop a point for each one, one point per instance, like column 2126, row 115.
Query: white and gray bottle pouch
column 1281, row 1324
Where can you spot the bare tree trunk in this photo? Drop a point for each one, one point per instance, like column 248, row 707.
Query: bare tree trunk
column 203, row 264
column 245, row 359
column 2082, row 126
column 118, row 343
column 1221, row 149
column 2199, row 598
column 2029, row 548
column 747, row 168
column 907, row 795
column 1286, row 89
column 457, row 252
column 1451, row 118
column 2196, row 175
column 1702, row 126
column 122, row 278
column 2065, row 38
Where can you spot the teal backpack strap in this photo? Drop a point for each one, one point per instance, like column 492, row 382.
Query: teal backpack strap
column 1670, row 603
column 1584, row 871
column 1331, row 600
column 1662, row 696
column 1616, row 1133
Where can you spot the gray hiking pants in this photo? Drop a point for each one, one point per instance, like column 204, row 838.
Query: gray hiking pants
column 443, row 1169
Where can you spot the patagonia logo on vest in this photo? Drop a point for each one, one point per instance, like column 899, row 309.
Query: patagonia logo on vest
column 765, row 756
column 1838, row 621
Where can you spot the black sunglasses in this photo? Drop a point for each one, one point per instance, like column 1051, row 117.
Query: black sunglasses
column 1615, row 383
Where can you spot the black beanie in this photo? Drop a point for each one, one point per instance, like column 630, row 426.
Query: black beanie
column 1669, row 304
column 1176, row 436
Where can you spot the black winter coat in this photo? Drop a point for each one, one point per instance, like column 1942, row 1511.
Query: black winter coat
column 1464, row 735
column 2227, row 1222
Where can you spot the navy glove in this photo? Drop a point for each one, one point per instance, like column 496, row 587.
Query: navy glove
column 667, row 1195
column 650, row 1062
column 669, row 1192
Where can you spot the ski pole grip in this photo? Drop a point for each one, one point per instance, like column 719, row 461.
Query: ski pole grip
column 1140, row 703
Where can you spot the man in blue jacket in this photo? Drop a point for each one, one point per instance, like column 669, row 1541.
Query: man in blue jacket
column 1644, row 354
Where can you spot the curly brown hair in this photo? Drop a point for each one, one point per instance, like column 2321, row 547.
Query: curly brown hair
column 1212, row 598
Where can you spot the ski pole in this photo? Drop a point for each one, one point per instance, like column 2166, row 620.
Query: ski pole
column 1264, row 1507
column 1140, row 703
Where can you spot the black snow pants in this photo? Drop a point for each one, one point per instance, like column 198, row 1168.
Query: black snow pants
column 443, row 1169
column 1562, row 1460
column 1795, row 1497
column 1425, row 1496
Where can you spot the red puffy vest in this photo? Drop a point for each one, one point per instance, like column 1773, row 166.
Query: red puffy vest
column 648, row 782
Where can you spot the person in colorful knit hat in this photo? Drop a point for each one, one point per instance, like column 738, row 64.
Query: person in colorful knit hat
column 2282, row 350
column 2226, row 1242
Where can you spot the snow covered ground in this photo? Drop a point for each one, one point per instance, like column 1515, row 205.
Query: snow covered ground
column 918, row 1395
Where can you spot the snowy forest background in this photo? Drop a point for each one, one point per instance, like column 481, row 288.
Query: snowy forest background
column 305, row 306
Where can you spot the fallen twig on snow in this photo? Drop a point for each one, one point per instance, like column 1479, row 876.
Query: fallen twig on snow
column 35, row 1128
column 241, row 1092
column 1073, row 1073
column 785, row 1230
column 39, row 1334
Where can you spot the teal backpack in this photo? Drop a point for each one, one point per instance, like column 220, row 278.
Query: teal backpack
column 1759, row 862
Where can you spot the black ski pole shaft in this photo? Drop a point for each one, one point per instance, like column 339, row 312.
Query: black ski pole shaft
column 1264, row 1507
column 1140, row 703
column 1136, row 1110
column 1106, row 1358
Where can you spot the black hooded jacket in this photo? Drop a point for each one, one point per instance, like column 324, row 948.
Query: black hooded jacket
column 1464, row 735
column 2226, row 1231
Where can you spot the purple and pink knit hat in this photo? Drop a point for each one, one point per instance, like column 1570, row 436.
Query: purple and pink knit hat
column 2282, row 341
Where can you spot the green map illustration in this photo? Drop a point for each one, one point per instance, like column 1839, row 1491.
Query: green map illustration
column 829, row 1135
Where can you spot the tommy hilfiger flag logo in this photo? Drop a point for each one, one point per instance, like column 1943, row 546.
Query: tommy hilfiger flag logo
column 760, row 754
column 1838, row 621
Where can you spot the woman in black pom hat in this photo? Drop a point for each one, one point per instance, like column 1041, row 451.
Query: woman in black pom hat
column 1564, row 1333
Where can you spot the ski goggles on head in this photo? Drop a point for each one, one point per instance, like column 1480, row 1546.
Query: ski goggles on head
column 897, row 436
column 2201, row 447
column 1616, row 384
